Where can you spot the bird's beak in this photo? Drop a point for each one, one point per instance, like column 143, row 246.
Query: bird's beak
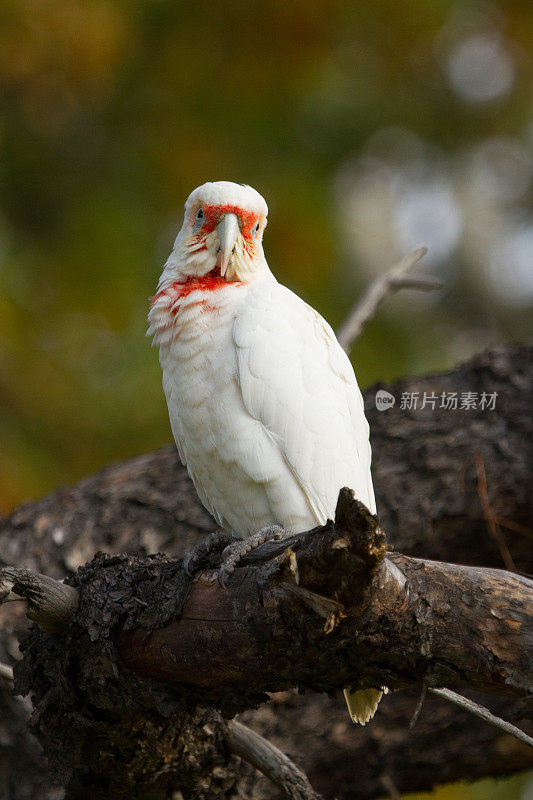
column 227, row 231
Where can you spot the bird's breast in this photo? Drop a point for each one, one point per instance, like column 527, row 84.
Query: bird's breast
column 178, row 307
column 193, row 324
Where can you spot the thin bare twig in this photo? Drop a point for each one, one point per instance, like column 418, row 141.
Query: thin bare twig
column 392, row 281
column 482, row 713
column 490, row 520
column 513, row 526
column 6, row 672
column 390, row 787
column 275, row 765
column 418, row 709
column 418, row 284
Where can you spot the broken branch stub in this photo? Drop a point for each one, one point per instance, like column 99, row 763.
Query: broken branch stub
column 345, row 559
column 51, row 603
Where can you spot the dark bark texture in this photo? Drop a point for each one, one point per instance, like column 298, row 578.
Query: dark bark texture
column 333, row 611
column 427, row 467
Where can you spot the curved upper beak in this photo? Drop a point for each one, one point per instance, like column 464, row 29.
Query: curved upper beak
column 227, row 229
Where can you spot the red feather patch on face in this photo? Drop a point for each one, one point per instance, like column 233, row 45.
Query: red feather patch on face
column 213, row 213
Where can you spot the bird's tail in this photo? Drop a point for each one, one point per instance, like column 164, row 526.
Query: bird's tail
column 362, row 704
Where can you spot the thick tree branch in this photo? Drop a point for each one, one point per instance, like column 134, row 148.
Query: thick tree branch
column 53, row 605
column 342, row 614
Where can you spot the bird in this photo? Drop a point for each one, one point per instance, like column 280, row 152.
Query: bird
column 263, row 401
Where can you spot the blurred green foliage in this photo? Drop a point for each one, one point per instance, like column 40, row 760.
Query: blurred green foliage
column 517, row 788
column 114, row 111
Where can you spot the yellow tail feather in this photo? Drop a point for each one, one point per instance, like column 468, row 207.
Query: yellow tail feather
column 362, row 704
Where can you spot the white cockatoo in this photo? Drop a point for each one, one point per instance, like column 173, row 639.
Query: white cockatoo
column 263, row 401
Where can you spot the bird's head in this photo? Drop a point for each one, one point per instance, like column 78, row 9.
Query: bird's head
column 222, row 231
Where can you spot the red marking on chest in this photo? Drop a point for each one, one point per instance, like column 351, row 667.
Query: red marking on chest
column 177, row 291
column 210, row 282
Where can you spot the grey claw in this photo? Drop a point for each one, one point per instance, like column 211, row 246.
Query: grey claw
column 186, row 561
column 192, row 559
column 222, row 578
column 226, row 553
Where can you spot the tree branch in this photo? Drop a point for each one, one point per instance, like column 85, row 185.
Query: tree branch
column 50, row 603
column 265, row 757
column 394, row 621
column 492, row 525
column 482, row 713
column 60, row 602
column 390, row 282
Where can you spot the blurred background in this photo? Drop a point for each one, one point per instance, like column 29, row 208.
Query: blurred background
column 370, row 128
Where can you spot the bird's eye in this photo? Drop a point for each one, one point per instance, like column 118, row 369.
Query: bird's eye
column 199, row 221
column 255, row 229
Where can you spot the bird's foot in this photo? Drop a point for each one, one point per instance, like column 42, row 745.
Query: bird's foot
column 194, row 557
column 233, row 553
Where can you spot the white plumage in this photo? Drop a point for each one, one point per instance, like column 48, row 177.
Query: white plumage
column 263, row 402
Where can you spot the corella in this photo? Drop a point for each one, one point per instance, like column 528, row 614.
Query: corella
column 263, row 401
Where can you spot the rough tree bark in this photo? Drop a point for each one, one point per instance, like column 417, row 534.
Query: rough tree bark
column 327, row 609
column 426, row 469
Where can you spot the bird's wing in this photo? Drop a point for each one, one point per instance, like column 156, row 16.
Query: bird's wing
column 299, row 384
